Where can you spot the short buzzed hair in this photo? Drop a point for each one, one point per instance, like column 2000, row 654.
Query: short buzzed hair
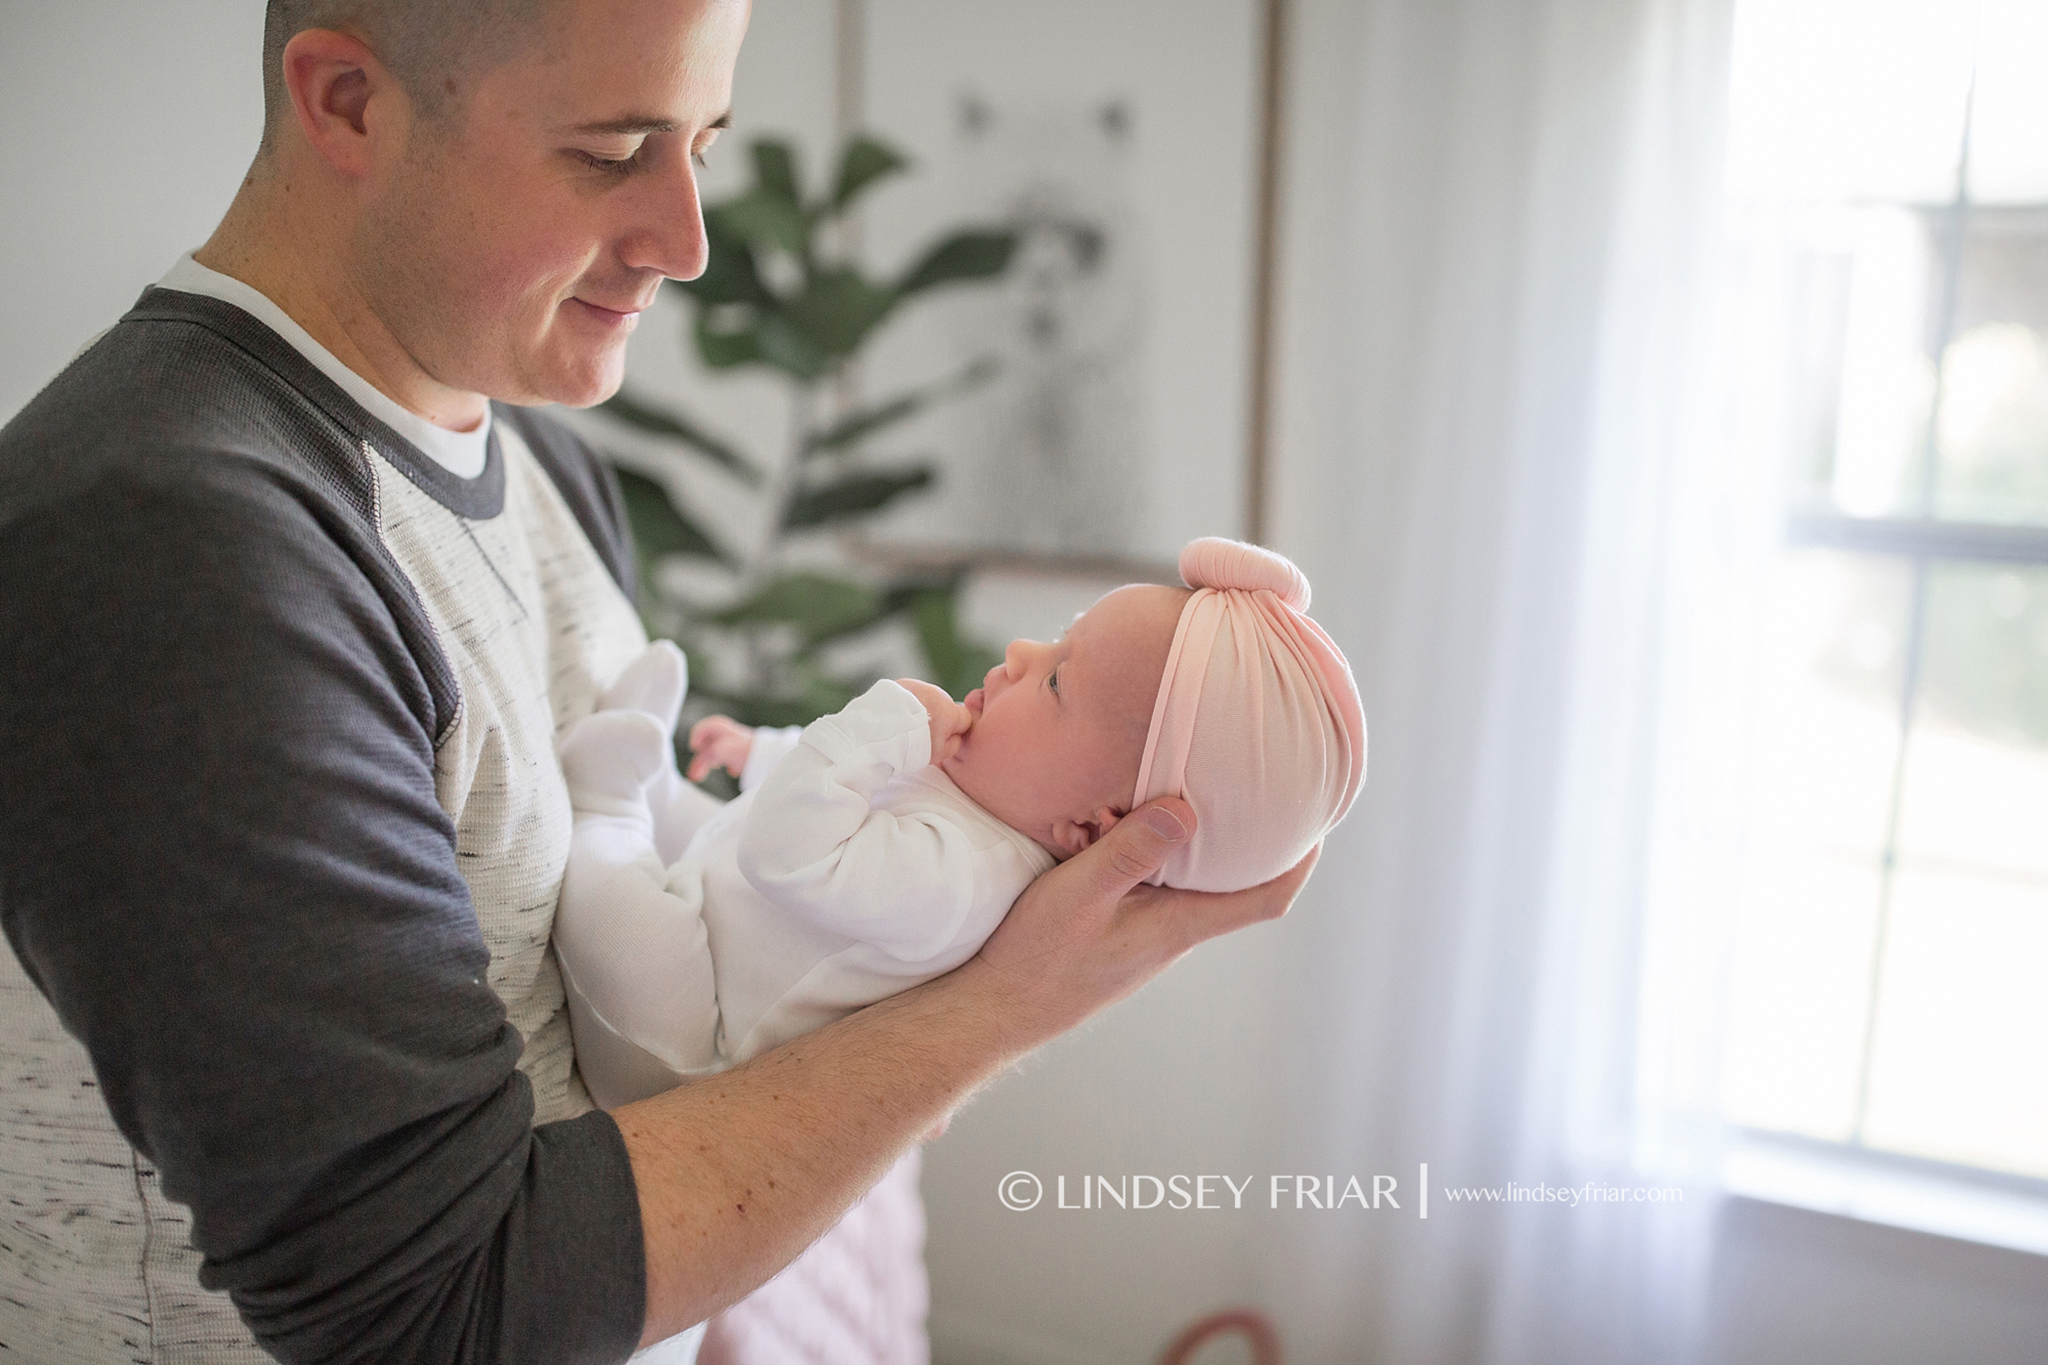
column 426, row 44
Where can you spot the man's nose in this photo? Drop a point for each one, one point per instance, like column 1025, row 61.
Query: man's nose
column 669, row 236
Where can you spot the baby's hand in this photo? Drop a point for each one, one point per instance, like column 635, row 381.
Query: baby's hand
column 719, row 742
column 950, row 720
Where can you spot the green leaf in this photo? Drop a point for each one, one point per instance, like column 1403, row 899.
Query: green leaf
column 817, row 604
column 761, row 218
column 775, row 170
column 731, row 274
column 789, row 348
column 905, row 595
column 636, row 414
column 958, row 663
column 963, row 256
column 660, row 528
column 864, row 162
column 722, row 785
column 722, row 348
column 851, row 495
column 862, row 423
column 837, row 310
column 700, row 666
column 865, row 423
column 825, row 692
column 760, row 708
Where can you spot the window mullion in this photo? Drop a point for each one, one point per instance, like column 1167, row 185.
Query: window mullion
column 1909, row 689
column 1957, row 226
column 1909, row 537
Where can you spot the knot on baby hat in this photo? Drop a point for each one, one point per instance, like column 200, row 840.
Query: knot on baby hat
column 1258, row 725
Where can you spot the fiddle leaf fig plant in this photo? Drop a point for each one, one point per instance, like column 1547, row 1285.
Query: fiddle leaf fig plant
column 767, row 621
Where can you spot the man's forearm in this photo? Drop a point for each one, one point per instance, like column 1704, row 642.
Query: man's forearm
column 739, row 1172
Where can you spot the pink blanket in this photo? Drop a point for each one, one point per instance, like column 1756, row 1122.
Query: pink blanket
column 857, row 1297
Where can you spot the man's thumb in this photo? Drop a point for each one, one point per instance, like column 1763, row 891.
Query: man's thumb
column 1138, row 844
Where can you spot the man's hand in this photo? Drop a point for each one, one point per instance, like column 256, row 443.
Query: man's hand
column 740, row 1171
column 950, row 720
column 719, row 742
column 1088, row 933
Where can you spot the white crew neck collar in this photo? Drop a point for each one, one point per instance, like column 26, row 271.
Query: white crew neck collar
column 461, row 453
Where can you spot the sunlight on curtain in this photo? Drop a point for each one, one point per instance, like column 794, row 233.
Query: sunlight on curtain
column 1866, row 743
column 1500, row 275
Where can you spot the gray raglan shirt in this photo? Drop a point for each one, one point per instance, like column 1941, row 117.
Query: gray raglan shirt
column 282, row 1040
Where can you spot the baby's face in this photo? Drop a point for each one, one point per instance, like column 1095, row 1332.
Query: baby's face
column 1059, row 728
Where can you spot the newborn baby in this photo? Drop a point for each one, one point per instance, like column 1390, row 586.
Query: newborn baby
column 878, row 847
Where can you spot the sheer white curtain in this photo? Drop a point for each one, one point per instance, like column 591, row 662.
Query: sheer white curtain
column 1497, row 272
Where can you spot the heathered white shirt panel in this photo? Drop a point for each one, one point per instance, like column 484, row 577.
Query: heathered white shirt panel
column 535, row 628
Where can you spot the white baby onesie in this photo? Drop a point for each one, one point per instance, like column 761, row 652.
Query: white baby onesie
column 852, row 871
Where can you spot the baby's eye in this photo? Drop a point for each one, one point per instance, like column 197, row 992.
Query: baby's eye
column 1052, row 680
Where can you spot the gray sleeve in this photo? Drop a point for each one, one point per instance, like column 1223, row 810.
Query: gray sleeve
column 222, row 860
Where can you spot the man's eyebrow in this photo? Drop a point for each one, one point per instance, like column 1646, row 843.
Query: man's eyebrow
column 632, row 124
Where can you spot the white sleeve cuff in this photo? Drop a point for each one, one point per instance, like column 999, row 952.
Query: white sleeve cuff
column 884, row 713
column 772, row 743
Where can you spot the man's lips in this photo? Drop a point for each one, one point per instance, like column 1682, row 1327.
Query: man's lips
column 607, row 314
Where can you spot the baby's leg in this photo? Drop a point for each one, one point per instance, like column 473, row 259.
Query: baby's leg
column 680, row 809
column 654, row 685
column 629, row 931
column 643, row 1000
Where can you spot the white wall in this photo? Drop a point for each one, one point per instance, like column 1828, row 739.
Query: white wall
column 1798, row 1288
column 128, row 126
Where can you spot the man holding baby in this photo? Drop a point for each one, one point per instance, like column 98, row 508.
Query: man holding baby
column 293, row 602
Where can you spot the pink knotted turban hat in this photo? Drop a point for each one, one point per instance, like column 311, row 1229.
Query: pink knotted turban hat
column 1258, row 725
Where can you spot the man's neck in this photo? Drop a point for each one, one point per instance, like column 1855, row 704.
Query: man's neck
column 255, row 244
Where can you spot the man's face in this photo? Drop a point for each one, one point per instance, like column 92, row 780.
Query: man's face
column 511, row 250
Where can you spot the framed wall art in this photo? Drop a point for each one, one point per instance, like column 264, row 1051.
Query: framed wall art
column 1133, row 148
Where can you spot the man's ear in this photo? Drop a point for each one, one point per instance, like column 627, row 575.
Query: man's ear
column 342, row 97
column 1074, row 835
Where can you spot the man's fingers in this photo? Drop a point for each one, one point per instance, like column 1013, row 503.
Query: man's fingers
column 1203, row 915
column 1137, row 845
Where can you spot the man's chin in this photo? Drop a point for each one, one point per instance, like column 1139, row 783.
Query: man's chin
column 583, row 381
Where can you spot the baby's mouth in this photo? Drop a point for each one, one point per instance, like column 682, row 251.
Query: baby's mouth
column 974, row 701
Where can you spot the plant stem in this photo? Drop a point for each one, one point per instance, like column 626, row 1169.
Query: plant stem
column 768, row 550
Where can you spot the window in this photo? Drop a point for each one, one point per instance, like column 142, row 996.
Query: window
column 1887, row 224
